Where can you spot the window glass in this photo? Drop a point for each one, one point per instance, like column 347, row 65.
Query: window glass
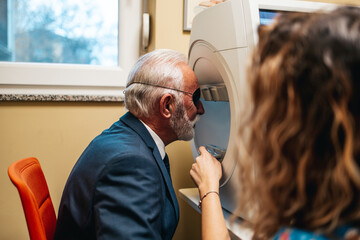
column 59, row 31
column 64, row 48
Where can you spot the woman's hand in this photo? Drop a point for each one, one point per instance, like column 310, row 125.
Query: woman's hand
column 206, row 172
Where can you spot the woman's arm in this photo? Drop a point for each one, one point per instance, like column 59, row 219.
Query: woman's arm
column 206, row 173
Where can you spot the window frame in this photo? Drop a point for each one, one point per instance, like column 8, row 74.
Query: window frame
column 66, row 82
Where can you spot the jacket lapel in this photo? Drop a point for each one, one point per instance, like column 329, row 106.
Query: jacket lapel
column 140, row 129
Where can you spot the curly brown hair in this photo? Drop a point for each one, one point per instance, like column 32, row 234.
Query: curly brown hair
column 302, row 135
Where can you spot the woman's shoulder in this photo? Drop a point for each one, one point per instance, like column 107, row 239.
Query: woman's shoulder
column 348, row 232
column 343, row 232
column 298, row 234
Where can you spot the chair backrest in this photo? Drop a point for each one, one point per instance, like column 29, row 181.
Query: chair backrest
column 29, row 179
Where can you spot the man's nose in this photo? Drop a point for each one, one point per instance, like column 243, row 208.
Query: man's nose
column 200, row 108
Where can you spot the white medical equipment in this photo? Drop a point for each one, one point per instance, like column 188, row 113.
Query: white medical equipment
column 221, row 40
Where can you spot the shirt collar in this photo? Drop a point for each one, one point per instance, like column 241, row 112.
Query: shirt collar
column 159, row 143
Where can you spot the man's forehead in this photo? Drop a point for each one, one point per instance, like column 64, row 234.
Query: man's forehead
column 190, row 78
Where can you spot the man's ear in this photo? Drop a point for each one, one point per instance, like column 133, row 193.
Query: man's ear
column 166, row 105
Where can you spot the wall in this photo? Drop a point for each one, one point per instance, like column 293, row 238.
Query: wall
column 167, row 26
column 57, row 133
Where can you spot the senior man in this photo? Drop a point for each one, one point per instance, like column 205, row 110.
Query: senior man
column 120, row 188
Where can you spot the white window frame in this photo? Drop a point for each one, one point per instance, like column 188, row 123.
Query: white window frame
column 94, row 82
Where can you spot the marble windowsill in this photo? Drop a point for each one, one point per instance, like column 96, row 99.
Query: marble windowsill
column 59, row 98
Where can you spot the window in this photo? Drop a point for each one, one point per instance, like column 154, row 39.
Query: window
column 67, row 48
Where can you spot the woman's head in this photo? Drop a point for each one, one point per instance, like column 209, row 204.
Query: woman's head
column 304, row 125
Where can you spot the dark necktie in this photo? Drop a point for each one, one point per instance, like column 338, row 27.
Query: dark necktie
column 167, row 164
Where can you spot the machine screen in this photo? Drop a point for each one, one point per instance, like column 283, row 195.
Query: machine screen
column 267, row 16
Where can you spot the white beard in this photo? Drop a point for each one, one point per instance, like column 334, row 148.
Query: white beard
column 180, row 123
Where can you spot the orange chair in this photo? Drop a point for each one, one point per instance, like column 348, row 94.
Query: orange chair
column 29, row 179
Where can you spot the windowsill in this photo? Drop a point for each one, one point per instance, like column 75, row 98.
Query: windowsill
column 59, row 98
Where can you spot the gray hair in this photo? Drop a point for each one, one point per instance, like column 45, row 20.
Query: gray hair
column 159, row 67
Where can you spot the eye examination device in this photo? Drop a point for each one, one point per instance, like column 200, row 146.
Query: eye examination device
column 221, row 40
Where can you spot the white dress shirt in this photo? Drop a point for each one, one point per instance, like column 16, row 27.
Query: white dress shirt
column 159, row 143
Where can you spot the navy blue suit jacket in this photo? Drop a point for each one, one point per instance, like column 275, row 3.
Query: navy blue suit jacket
column 119, row 189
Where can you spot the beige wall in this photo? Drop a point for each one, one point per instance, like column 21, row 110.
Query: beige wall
column 57, row 133
column 167, row 25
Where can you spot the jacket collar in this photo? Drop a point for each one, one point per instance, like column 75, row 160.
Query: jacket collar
column 134, row 123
